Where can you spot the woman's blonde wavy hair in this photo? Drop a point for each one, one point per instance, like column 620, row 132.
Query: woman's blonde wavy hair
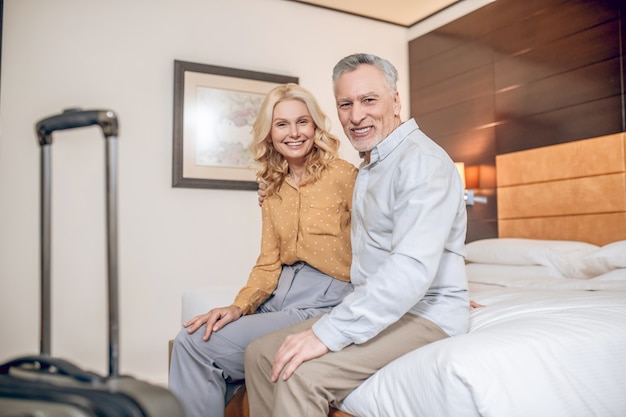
column 273, row 166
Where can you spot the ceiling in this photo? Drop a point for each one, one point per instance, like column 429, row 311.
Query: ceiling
column 400, row 12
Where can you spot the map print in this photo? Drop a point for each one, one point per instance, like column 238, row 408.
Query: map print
column 224, row 126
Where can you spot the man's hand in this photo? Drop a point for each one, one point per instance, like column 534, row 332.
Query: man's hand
column 297, row 348
column 261, row 193
column 214, row 319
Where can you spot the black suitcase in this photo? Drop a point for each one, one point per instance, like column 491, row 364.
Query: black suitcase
column 45, row 386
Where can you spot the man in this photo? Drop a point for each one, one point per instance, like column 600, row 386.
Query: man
column 408, row 270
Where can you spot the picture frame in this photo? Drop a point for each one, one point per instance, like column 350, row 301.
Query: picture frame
column 214, row 109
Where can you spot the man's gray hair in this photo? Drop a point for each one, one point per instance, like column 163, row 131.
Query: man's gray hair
column 351, row 62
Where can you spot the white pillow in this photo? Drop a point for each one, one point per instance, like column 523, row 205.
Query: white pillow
column 607, row 258
column 520, row 251
column 614, row 275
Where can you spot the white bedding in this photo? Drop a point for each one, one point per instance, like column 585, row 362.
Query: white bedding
column 543, row 345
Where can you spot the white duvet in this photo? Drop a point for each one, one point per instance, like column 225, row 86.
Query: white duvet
column 543, row 345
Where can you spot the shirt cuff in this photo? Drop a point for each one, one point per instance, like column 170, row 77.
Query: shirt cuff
column 329, row 335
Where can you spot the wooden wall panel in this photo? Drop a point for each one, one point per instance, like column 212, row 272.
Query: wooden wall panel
column 453, row 35
column 566, row 197
column 477, row 145
column 572, row 191
column 530, row 31
column 598, row 229
column 460, row 117
column 466, row 86
column 562, row 55
column 519, row 74
column 516, row 11
column 438, row 68
column 561, row 90
column 577, row 122
column 584, row 158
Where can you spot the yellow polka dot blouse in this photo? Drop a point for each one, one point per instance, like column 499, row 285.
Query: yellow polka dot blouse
column 310, row 223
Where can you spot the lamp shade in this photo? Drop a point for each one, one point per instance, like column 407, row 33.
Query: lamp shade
column 480, row 177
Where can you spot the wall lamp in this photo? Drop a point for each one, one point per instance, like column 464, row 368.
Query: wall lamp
column 474, row 178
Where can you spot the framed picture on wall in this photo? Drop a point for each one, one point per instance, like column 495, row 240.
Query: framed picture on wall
column 214, row 110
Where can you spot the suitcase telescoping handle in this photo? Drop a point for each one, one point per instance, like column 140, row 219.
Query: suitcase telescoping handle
column 70, row 119
column 73, row 118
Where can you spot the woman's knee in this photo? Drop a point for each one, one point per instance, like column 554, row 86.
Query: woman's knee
column 187, row 341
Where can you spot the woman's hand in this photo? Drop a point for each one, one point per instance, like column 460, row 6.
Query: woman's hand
column 261, row 193
column 215, row 319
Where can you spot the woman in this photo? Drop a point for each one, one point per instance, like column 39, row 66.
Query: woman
column 304, row 264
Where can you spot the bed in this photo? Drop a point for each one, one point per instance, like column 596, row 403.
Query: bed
column 551, row 337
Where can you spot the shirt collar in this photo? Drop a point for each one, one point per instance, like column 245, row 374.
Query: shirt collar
column 395, row 138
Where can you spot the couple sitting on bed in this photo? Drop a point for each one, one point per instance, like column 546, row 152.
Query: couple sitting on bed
column 313, row 322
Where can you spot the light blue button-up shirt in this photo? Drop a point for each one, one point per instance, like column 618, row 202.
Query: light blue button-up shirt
column 409, row 223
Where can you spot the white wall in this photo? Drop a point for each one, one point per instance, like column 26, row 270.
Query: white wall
column 119, row 54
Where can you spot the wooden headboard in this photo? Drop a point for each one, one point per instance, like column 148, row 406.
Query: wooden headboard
column 570, row 191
